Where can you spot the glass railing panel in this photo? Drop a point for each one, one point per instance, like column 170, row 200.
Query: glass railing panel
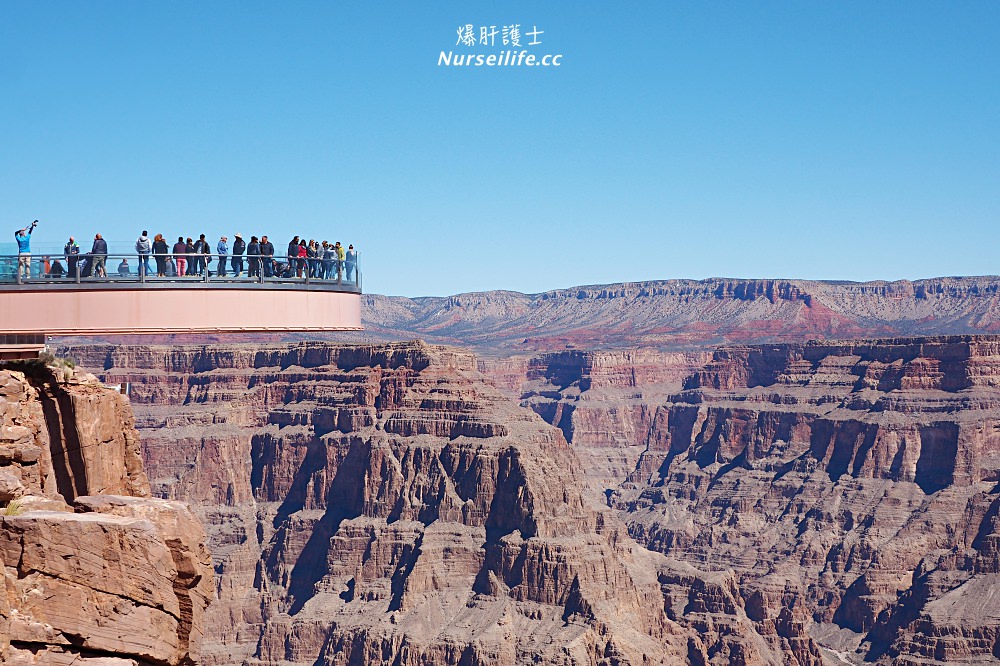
column 153, row 268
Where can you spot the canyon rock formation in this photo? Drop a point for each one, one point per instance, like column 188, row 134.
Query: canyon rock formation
column 845, row 492
column 96, row 572
column 687, row 314
column 815, row 503
column 385, row 504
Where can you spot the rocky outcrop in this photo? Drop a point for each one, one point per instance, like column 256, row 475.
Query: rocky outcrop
column 96, row 572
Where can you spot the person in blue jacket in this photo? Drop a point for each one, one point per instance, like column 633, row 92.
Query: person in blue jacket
column 223, row 249
column 23, row 238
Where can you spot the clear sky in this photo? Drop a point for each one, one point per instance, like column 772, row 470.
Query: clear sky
column 828, row 140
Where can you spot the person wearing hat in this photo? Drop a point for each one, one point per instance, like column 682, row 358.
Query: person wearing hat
column 237, row 261
column 223, row 249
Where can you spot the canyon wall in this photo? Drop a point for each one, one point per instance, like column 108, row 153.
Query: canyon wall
column 686, row 314
column 759, row 504
column 849, row 488
column 95, row 570
column 385, row 504
column 602, row 401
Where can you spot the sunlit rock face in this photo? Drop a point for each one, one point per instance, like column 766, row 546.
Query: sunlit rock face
column 95, row 570
column 784, row 503
column 850, row 488
column 603, row 401
column 386, row 504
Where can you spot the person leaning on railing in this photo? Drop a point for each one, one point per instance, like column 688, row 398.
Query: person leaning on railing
column 160, row 250
column 293, row 254
column 192, row 261
column 199, row 252
column 351, row 261
column 340, row 259
column 253, row 257
column 206, row 257
column 56, row 270
column 326, row 257
column 143, row 246
column 303, row 253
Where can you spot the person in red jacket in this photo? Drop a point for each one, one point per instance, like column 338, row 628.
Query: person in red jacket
column 303, row 253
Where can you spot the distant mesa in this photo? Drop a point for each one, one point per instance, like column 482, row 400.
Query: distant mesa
column 688, row 314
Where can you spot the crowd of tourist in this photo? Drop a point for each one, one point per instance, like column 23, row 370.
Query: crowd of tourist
column 311, row 259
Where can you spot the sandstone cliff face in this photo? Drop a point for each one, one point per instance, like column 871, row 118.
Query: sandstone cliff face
column 385, row 504
column 95, row 571
column 603, row 401
column 850, row 488
column 844, row 493
column 794, row 503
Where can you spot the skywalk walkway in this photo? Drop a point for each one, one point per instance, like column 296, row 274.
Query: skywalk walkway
column 45, row 295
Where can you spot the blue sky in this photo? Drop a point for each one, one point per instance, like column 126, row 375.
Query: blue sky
column 823, row 140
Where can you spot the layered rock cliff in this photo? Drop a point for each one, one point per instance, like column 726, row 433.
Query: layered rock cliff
column 688, row 314
column 95, row 571
column 846, row 492
column 795, row 503
column 385, row 504
column 603, row 401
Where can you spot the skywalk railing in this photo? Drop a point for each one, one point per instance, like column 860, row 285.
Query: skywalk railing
column 172, row 269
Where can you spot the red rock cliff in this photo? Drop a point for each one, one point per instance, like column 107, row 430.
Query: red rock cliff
column 798, row 504
column 852, row 485
column 385, row 504
column 95, row 570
